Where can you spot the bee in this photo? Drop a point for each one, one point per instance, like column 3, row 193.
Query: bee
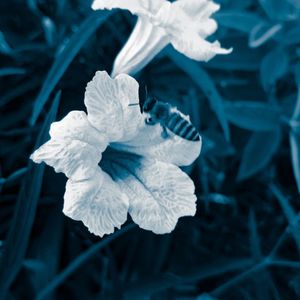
column 170, row 119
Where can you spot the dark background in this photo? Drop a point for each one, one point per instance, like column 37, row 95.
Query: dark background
column 244, row 242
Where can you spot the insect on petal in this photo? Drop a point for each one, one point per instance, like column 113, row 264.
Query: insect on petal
column 150, row 143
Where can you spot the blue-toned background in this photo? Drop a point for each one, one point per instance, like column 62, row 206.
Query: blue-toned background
column 243, row 243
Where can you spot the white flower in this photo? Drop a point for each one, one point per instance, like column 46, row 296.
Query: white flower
column 184, row 23
column 117, row 164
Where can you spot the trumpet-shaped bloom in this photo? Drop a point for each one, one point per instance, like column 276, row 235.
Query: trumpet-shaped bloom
column 184, row 23
column 116, row 164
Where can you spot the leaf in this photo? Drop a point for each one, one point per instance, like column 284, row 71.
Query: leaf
column 239, row 20
column 294, row 137
column 292, row 36
column 12, row 71
column 289, row 213
column 65, row 57
column 49, row 30
column 254, row 237
column 80, row 260
column 281, row 10
column 139, row 289
column 256, row 116
column 18, row 236
column 204, row 82
column 295, row 156
column 205, row 296
column 274, row 65
column 262, row 33
column 258, row 152
column 4, row 46
column 13, row 177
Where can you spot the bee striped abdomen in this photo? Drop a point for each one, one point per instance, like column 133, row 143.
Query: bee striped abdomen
column 182, row 127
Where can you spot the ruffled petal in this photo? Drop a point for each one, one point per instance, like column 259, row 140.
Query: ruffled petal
column 75, row 125
column 108, row 104
column 199, row 13
column 158, row 193
column 188, row 26
column 138, row 7
column 103, row 105
column 194, row 47
column 98, row 202
column 198, row 8
column 76, row 159
column 128, row 89
column 150, row 143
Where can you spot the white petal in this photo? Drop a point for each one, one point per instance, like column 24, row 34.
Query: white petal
column 77, row 159
column 198, row 8
column 128, row 89
column 103, row 105
column 194, row 47
column 158, row 193
column 139, row 7
column 144, row 43
column 107, row 101
column 173, row 149
column 75, row 125
column 97, row 202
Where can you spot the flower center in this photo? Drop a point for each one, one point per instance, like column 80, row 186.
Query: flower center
column 119, row 164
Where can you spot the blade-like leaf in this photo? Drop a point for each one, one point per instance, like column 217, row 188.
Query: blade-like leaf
column 295, row 156
column 239, row 20
column 204, row 82
column 262, row 33
column 17, row 239
column 80, row 260
column 254, row 237
column 295, row 135
column 64, row 59
column 12, row 71
column 256, row 116
column 282, row 10
column 288, row 211
column 274, row 65
column 259, row 152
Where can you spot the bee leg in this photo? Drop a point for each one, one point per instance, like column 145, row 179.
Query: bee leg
column 149, row 121
column 164, row 133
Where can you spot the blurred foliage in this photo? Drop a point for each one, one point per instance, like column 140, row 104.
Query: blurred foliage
column 244, row 242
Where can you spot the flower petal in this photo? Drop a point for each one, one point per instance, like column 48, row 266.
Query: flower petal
column 199, row 13
column 187, row 30
column 77, row 159
column 198, row 8
column 108, row 104
column 158, row 193
column 97, row 202
column 173, row 149
column 75, row 125
column 144, row 43
column 184, row 17
column 103, row 105
column 128, row 96
column 139, row 7
column 193, row 46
